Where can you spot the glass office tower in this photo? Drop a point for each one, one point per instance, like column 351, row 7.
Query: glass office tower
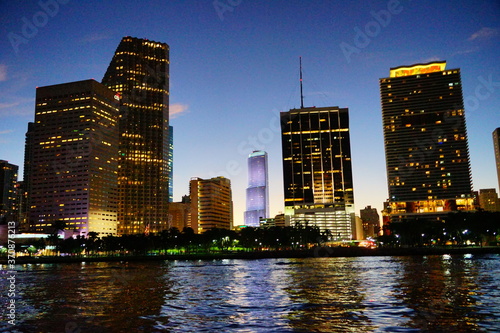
column 139, row 72
column 317, row 172
column 258, row 189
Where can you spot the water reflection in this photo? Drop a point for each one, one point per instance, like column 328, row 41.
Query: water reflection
column 328, row 296
column 97, row 297
column 442, row 291
column 372, row 294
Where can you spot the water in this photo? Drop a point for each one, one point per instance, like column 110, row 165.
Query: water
column 363, row 294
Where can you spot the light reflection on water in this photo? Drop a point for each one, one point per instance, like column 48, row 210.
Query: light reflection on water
column 363, row 294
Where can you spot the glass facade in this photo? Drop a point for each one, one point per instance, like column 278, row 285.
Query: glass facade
column 257, row 192
column 425, row 137
column 317, row 172
column 8, row 192
column 139, row 73
column 73, row 160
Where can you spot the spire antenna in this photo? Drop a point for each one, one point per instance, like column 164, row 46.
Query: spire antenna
column 301, row 94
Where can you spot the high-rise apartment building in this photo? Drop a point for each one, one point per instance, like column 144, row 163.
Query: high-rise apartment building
column 496, row 145
column 426, row 149
column 317, row 172
column 72, row 157
column 8, row 192
column 211, row 204
column 258, row 189
column 139, row 72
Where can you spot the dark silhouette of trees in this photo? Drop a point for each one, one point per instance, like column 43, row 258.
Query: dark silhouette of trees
column 456, row 228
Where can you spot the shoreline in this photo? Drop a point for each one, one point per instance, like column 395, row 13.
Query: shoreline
column 318, row 252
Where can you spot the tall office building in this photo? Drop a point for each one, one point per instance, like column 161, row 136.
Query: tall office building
column 72, row 154
column 258, row 189
column 211, row 204
column 426, row 148
column 26, row 188
column 170, row 163
column 496, row 145
column 8, row 192
column 139, row 72
column 317, row 172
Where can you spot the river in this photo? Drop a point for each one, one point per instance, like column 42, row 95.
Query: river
column 446, row 293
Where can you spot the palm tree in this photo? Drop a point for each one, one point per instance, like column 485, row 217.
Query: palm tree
column 58, row 225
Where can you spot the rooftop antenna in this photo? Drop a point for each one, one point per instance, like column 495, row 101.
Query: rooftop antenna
column 301, row 95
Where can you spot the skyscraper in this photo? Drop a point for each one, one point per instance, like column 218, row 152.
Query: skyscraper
column 139, row 72
column 317, row 172
column 74, row 158
column 258, row 189
column 8, row 192
column 170, row 163
column 211, row 204
column 496, row 144
column 426, row 148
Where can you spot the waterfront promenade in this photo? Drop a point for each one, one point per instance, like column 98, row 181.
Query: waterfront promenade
column 301, row 253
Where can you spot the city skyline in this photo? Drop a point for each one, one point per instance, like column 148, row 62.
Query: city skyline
column 233, row 71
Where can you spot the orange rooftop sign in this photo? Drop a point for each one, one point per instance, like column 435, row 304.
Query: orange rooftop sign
column 418, row 69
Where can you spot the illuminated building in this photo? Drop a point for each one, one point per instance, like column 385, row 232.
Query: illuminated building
column 139, row 72
column 8, row 192
column 170, row 163
column 488, row 200
column 371, row 221
column 28, row 156
column 496, row 144
column 258, row 189
column 211, row 204
column 180, row 213
column 74, row 158
column 317, row 173
column 277, row 221
column 426, row 149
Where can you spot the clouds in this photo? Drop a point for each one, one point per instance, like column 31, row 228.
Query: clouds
column 16, row 106
column 483, row 34
column 178, row 109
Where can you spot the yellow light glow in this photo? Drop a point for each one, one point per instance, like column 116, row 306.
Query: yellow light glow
column 418, row 69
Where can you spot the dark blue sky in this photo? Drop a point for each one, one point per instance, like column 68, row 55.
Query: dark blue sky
column 234, row 66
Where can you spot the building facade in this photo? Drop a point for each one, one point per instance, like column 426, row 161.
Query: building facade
column 317, row 172
column 139, row 73
column 74, row 159
column 488, row 200
column 211, row 204
column 9, row 203
column 496, row 145
column 180, row 214
column 425, row 137
column 371, row 221
column 257, row 193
